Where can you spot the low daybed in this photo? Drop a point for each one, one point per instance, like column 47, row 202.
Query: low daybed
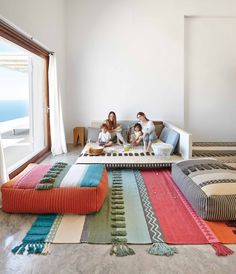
column 116, row 157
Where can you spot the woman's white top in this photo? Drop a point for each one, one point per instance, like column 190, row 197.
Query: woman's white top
column 104, row 137
column 147, row 127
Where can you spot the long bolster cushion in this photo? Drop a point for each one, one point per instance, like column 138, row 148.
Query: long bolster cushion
column 209, row 186
column 21, row 196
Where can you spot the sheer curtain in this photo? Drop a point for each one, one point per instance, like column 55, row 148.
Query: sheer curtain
column 58, row 141
column 3, row 170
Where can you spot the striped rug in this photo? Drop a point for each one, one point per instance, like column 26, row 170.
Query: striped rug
column 210, row 144
column 142, row 207
column 214, row 153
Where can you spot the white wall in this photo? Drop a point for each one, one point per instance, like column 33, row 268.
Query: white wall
column 128, row 56
column 121, row 55
column 44, row 21
column 210, row 80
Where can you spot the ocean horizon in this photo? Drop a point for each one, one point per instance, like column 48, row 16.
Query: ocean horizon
column 13, row 109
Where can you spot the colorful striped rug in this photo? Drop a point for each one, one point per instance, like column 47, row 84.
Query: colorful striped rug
column 142, row 207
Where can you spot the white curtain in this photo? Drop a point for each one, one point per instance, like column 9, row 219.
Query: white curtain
column 3, row 170
column 58, row 141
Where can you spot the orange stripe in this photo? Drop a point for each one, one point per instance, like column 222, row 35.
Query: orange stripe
column 223, row 232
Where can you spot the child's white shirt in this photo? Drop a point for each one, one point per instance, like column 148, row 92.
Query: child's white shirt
column 104, row 136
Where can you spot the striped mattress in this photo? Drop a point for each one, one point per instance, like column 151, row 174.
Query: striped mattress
column 79, row 189
column 209, row 186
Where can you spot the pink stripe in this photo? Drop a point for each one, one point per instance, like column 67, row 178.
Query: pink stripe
column 31, row 178
column 176, row 222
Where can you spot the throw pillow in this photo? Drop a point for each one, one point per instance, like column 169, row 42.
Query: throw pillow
column 159, row 129
column 93, row 134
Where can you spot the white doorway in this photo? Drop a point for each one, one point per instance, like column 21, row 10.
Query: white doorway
column 210, row 78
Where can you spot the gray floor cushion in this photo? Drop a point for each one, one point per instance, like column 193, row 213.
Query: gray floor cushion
column 209, row 186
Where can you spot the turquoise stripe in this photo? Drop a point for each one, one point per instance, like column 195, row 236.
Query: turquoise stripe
column 93, row 176
column 40, row 229
column 34, row 240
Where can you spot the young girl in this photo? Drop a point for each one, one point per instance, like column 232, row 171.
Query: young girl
column 136, row 137
column 104, row 137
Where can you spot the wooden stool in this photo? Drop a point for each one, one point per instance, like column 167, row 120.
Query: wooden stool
column 79, row 135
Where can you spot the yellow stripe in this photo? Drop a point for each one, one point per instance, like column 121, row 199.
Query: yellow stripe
column 220, row 189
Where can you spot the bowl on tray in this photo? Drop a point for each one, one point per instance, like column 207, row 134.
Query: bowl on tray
column 96, row 150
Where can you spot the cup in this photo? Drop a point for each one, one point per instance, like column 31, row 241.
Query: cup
column 126, row 147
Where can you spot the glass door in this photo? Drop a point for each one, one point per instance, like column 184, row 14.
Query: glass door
column 23, row 104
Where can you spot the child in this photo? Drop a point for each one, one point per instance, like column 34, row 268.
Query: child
column 136, row 137
column 104, row 137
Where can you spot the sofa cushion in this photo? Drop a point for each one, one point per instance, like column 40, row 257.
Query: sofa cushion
column 164, row 134
column 93, row 133
column 170, row 136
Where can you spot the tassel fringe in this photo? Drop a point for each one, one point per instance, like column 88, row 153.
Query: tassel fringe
column 46, row 249
column 31, row 248
column 121, row 249
column 222, row 250
column 162, row 249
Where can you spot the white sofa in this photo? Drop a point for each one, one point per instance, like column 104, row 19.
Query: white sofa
column 184, row 146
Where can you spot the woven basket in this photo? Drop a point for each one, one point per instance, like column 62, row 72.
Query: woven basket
column 96, row 150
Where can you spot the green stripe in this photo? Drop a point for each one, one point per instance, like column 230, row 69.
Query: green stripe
column 100, row 228
column 61, row 176
column 99, row 225
column 136, row 227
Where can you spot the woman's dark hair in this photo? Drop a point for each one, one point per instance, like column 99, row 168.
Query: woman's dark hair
column 112, row 124
column 138, row 126
column 142, row 114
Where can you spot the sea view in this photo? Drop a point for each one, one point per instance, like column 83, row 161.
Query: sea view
column 13, row 109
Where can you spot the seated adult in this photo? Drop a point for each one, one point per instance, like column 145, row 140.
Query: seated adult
column 114, row 128
column 148, row 129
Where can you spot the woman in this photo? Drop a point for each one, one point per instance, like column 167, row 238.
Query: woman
column 148, row 129
column 114, row 128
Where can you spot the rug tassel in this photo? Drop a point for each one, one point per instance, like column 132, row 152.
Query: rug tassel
column 17, row 248
column 222, row 250
column 120, row 252
column 112, row 250
column 46, row 249
column 121, row 249
column 130, row 250
column 30, row 249
column 162, row 249
column 22, row 249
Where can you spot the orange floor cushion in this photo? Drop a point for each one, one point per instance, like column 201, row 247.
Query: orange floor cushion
column 25, row 194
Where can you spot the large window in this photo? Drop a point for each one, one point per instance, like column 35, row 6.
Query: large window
column 23, row 102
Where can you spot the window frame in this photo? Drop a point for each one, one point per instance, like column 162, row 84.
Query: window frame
column 10, row 33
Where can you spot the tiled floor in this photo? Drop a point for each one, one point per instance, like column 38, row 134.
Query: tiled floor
column 88, row 258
